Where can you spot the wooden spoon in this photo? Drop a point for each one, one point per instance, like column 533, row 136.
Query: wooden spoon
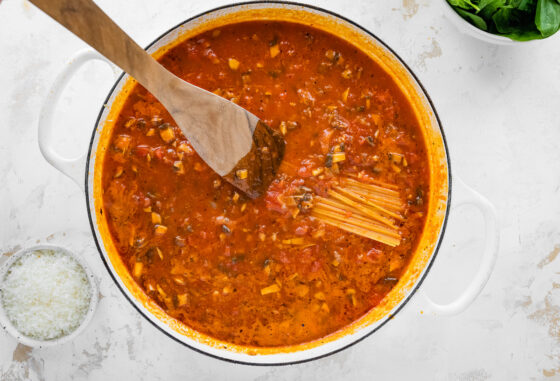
column 231, row 140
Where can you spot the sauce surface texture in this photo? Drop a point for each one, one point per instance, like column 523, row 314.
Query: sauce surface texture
column 264, row 272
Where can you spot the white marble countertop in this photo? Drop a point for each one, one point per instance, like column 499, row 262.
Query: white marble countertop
column 500, row 107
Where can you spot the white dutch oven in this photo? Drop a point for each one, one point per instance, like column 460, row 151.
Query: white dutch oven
column 439, row 197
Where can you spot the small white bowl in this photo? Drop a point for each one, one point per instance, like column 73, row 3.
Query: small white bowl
column 8, row 326
column 466, row 27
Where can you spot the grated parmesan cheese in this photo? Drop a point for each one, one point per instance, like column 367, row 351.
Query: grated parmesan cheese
column 46, row 294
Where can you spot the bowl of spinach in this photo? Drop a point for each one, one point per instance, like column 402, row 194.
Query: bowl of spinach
column 506, row 21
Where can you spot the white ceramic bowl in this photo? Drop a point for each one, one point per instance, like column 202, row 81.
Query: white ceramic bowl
column 9, row 327
column 466, row 27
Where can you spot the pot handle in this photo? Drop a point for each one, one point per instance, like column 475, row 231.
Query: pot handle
column 71, row 167
column 465, row 195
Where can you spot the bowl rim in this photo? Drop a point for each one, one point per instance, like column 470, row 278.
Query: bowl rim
column 94, row 296
column 91, row 213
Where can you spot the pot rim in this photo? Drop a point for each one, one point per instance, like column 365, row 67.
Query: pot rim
column 419, row 281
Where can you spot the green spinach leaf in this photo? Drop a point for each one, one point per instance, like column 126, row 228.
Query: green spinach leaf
column 465, row 4
column 525, row 5
column 474, row 19
column 513, row 20
column 547, row 18
column 492, row 4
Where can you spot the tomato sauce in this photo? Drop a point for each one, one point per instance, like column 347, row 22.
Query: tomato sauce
column 263, row 272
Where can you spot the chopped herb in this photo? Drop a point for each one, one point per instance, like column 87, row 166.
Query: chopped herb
column 419, row 196
column 329, row 161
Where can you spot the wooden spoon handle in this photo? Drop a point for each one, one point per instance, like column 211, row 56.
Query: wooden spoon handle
column 227, row 137
column 87, row 21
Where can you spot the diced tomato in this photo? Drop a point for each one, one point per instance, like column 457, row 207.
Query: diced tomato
column 273, row 198
column 306, row 168
column 222, row 220
column 315, row 266
column 306, row 97
column 321, row 188
column 301, row 230
column 273, row 202
column 325, row 139
column 122, row 143
column 304, row 171
column 158, row 152
column 374, row 254
column 307, row 256
column 382, row 96
column 142, row 150
column 296, row 184
column 362, row 140
column 283, row 257
column 412, row 158
column 210, row 54
column 138, row 199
